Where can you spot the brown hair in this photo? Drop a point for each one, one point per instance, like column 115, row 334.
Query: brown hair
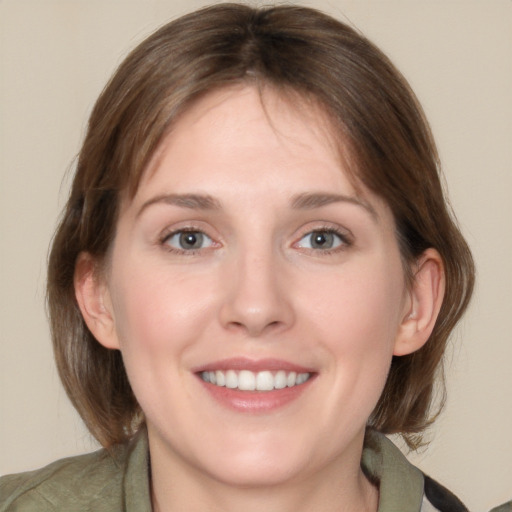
column 292, row 49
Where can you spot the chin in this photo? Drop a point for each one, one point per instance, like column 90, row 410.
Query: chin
column 255, row 473
column 262, row 462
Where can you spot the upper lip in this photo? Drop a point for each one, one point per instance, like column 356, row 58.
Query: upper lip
column 254, row 365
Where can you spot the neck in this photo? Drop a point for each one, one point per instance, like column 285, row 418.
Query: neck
column 336, row 487
column 271, row 499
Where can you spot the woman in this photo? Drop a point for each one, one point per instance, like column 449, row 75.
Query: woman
column 254, row 278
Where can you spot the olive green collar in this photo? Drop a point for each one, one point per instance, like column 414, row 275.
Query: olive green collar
column 400, row 483
column 136, row 477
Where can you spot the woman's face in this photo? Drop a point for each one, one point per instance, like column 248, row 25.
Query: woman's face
column 247, row 257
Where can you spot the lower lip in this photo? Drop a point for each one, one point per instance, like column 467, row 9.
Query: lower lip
column 255, row 401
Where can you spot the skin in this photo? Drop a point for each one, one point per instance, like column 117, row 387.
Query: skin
column 257, row 288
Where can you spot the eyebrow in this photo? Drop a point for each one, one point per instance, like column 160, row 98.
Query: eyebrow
column 310, row 201
column 190, row 201
column 305, row 201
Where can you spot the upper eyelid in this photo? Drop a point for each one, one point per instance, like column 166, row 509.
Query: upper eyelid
column 345, row 239
column 326, row 226
column 187, row 226
column 172, row 232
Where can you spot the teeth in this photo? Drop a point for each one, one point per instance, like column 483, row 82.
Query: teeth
column 264, row 381
column 280, row 380
column 301, row 378
column 231, row 379
column 246, row 380
column 220, row 378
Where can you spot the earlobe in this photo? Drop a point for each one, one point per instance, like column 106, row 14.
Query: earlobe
column 93, row 299
column 426, row 298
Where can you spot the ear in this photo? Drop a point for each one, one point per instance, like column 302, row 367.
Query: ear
column 92, row 295
column 423, row 305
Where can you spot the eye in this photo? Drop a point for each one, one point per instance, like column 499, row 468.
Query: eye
column 322, row 239
column 188, row 240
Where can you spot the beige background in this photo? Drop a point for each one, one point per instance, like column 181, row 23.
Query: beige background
column 55, row 57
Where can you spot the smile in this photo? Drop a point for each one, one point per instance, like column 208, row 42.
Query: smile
column 246, row 380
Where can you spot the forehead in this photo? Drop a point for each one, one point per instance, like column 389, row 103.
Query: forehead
column 251, row 128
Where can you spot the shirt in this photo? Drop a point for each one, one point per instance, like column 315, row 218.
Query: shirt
column 118, row 481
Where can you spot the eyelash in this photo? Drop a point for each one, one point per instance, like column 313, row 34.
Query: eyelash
column 166, row 236
column 345, row 240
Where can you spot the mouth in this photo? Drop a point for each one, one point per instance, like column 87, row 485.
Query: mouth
column 255, row 386
column 247, row 380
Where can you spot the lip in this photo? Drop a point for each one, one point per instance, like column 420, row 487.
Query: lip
column 253, row 365
column 254, row 401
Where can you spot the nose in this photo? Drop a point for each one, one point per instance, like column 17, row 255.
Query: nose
column 257, row 296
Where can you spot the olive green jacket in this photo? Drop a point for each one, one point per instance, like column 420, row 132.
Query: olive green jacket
column 506, row 507
column 118, row 481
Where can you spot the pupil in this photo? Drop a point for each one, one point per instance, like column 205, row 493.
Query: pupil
column 190, row 240
column 322, row 240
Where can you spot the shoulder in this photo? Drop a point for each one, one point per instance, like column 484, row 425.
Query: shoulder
column 402, row 486
column 441, row 498
column 92, row 481
column 506, row 507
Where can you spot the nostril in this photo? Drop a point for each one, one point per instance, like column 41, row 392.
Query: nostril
column 255, row 308
column 254, row 328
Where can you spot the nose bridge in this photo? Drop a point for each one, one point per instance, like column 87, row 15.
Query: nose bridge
column 256, row 298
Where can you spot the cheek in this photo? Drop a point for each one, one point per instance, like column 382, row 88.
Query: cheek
column 359, row 306
column 357, row 318
column 159, row 318
column 156, row 309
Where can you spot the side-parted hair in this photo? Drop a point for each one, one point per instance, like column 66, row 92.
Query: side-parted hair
column 375, row 118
